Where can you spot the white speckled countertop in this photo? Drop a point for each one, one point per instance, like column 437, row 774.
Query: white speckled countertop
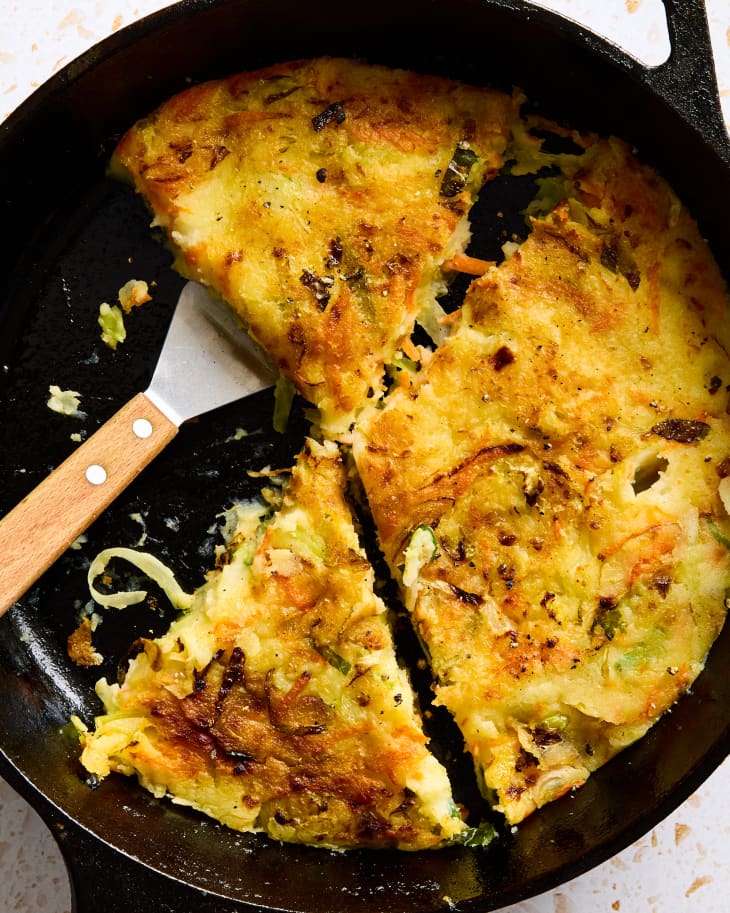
column 682, row 864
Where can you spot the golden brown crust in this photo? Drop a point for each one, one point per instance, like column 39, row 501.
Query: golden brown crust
column 566, row 446
column 276, row 703
column 317, row 198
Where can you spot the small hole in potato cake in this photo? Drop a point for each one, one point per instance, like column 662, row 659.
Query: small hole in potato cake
column 557, row 143
column 648, row 473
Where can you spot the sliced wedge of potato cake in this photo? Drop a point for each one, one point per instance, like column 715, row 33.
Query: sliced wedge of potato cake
column 319, row 199
column 276, row 703
column 552, row 488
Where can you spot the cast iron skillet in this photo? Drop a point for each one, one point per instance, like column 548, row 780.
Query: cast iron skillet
column 76, row 237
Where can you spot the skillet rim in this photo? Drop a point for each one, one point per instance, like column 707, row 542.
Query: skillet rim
column 91, row 58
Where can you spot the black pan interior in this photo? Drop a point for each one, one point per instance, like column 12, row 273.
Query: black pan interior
column 77, row 237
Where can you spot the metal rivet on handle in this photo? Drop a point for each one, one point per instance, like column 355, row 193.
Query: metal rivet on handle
column 142, row 428
column 96, row 474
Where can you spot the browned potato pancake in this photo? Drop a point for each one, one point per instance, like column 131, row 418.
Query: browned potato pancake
column 550, row 486
column 276, row 703
column 319, row 199
column 551, row 489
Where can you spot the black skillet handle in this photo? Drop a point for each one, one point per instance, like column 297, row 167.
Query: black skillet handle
column 105, row 880
column 687, row 80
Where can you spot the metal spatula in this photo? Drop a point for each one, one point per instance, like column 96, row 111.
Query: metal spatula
column 206, row 361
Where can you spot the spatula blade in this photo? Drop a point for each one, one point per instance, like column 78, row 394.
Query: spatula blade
column 207, row 359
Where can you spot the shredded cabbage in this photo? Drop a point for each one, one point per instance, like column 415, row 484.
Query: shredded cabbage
column 149, row 565
column 724, row 491
column 283, row 399
column 421, row 549
column 482, row 835
column 111, row 322
column 65, row 402
column 431, row 318
column 234, row 516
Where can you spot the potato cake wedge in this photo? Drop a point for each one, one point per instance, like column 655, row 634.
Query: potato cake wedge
column 551, row 489
column 319, row 199
column 276, row 703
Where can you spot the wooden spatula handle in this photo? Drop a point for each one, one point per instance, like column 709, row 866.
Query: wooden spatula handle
column 36, row 532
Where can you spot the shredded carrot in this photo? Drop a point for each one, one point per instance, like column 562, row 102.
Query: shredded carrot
column 410, row 349
column 448, row 319
column 474, row 266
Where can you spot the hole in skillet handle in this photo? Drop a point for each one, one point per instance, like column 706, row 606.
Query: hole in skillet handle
column 673, row 114
column 687, row 83
column 687, row 80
